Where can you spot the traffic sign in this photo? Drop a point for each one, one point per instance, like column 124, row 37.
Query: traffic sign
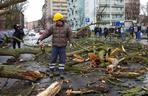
column 87, row 19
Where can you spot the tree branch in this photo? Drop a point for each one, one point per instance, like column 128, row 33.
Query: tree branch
column 11, row 2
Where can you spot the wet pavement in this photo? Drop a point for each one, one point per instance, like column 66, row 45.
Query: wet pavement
column 9, row 86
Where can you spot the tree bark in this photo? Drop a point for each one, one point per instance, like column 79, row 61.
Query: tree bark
column 11, row 2
column 17, row 52
column 7, row 71
column 130, row 74
column 52, row 90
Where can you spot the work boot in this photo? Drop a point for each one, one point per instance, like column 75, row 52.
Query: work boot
column 61, row 70
column 52, row 69
column 62, row 73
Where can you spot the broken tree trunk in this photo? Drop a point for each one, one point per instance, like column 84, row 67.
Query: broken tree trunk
column 88, row 49
column 11, row 2
column 17, row 52
column 70, row 92
column 8, row 71
column 130, row 74
column 80, row 51
column 114, row 62
column 52, row 90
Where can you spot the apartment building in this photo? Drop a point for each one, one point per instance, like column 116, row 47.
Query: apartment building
column 53, row 6
column 84, row 12
column 111, row 11
column 76, row 13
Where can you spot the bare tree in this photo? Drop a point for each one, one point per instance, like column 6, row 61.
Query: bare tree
column 132, row 10
column 12, row 12
column 144, row 10
column 100, row 13
column 7, row 3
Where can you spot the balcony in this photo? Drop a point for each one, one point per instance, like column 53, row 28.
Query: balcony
column 113, row 19
column 113, row 12
column 101, row 4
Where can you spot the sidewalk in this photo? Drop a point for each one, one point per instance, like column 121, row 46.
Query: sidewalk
column 144, row 41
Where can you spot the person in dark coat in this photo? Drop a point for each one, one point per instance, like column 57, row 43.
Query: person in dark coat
column 131, row 29
column 100, row 31
column 18, row 36
column 106, row 32
column 96, row 30
column 138, row 34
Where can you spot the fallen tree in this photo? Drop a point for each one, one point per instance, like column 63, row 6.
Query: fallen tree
column 17, row 52
column 126, row 73
column 8, row 71
column 52, row 90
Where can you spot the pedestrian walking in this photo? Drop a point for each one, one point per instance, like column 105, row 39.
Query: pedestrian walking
column 131, row 29
column 18, row 36
column 62, row 34
column 138, row 33
column 122, row 33
column 96, row 30
column 100, row 31
column 106, row 32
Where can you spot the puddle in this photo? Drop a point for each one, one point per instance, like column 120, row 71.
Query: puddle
column 146, row 80
column 3, row 59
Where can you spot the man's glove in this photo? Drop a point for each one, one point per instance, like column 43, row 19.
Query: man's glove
column 71, row 45
column 38, row 41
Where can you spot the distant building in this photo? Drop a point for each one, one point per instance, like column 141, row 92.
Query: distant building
column 132, row 9
column 114, row 10
column 90, row 12
column 76, row 16
column 84, row 12
column 53, row 6
column 32, row 25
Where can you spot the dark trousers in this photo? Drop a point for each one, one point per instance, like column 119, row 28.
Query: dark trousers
column 16, row 42
column 60, row 54
column 138, row 35
column 122, row 36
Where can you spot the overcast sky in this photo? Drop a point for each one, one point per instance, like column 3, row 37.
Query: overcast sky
column 143, row 1
column 34, row 9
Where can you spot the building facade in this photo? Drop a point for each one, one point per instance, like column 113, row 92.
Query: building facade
column 91, row 7
column 132, row 9
column 84, row 12
column 53, row 6
column 50, row 8
column 111, row 11
column 76, row 13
